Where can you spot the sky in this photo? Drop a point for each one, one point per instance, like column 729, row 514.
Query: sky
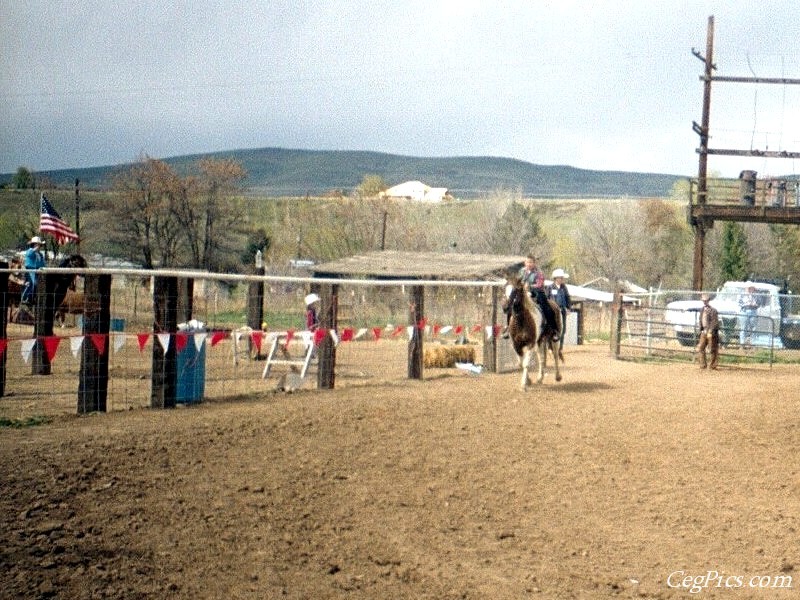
column 609, row 85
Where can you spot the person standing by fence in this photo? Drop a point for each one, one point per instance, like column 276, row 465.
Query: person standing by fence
column 748, row 304
column 560, row 294
column 312, row 318
column 709, row 334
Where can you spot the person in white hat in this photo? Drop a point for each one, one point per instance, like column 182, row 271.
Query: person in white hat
column 709, row 334
column 33, row 261
column 312, row 319
column 560, row 294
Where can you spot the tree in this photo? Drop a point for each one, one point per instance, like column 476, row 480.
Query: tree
column 23, row 179
column 143, row 220
column 172, row 221
column 734, row 261
column 517, row 231
column 213, row 221
column 371, row 186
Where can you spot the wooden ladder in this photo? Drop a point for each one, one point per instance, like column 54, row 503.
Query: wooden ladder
column 280, row 343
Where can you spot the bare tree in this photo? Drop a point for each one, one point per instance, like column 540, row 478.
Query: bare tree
column 141, row 217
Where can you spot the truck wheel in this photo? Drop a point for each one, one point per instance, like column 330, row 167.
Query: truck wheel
column 791, row 339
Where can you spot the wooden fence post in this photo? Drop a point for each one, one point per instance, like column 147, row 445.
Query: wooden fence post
column 3, row 326
column 165, row 364
column 490, row 345
column 416, row 314
column 43, row 324
column 326, row 352
column 93, row 379
column 616, row 322
column 255, row 305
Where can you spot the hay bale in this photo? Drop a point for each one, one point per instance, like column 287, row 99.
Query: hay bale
column 446, row 357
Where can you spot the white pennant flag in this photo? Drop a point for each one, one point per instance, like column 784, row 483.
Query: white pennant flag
column 163, row 339
column 360, row 333
column 410, row 331
column 75, row 343
column 445, row 329
column 27, row 348
column 199, row 338
column 489, row 332
column 119, row 341
column 335, row 337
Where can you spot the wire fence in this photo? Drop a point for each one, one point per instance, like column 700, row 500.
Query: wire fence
column 666, row 325
column 222, row 356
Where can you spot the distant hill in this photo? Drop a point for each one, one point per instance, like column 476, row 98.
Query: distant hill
column 285, row 172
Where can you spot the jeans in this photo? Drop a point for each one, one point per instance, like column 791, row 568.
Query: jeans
column 747, row 325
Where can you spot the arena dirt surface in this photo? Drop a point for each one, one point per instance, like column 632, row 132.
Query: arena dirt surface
column 459, row 486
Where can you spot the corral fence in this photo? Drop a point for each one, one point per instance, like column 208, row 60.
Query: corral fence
column 140, row 338
column 646, row 326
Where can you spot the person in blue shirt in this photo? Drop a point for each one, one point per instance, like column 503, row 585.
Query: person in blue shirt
column 32, row 261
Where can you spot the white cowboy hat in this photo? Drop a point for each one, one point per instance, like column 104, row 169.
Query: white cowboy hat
column 560, row 273
column 311, row 298
column 36, row 240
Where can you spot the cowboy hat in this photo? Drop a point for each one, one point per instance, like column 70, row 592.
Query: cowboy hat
column 311, row 298
column 560, row 273
column 36, row 240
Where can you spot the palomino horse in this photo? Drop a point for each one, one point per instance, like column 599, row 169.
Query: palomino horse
column 525, row 330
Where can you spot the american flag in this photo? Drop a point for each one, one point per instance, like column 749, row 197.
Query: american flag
column 51, row 222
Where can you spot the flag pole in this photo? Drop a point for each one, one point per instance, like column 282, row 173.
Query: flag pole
column 77, row 216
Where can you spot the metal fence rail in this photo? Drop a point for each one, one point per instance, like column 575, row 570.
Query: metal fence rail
column 647, row 329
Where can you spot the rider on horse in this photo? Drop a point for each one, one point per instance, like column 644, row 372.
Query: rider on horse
column 533, row 278
column 34, row 260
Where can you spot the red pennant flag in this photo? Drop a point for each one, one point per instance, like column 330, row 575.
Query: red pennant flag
column 476, row 328
column 51, row 345
column 458, row 329
column 436, row 329
column 422, row 323
column 289, row 335
column 99, row 341
column 397, row 330
column 257, row 336
column 217, row 337
column 376, row 332
column 319, row 335
column 347, row 334
column 181, row 339
column 496, row 329
column 142, row 338
column 3, row 346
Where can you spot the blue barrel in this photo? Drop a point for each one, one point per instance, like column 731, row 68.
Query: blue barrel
column 191, row 385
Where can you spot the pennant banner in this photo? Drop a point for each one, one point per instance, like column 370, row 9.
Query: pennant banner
column 142, row 339
column 75, row 343
column 27, row 348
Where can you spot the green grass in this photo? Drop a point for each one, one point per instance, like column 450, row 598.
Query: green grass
column 26, row 422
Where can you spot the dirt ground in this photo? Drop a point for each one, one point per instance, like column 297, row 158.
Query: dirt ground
column 621, row 481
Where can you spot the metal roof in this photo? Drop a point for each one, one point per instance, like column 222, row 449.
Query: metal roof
column 393, row 264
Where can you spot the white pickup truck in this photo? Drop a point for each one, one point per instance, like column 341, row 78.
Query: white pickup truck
column 774, row 325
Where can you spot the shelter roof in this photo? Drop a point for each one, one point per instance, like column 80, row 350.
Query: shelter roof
column 394, row 264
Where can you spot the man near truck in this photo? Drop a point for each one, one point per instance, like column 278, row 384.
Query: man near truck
column 709, row 334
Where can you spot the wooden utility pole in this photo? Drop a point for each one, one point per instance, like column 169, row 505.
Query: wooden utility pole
column 702, row 214
column 700, row 225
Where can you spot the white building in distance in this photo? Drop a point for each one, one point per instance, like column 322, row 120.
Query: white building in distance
column 416, row 190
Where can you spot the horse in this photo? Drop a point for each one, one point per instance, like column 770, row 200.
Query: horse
column 63, row 283
column 526, row 331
